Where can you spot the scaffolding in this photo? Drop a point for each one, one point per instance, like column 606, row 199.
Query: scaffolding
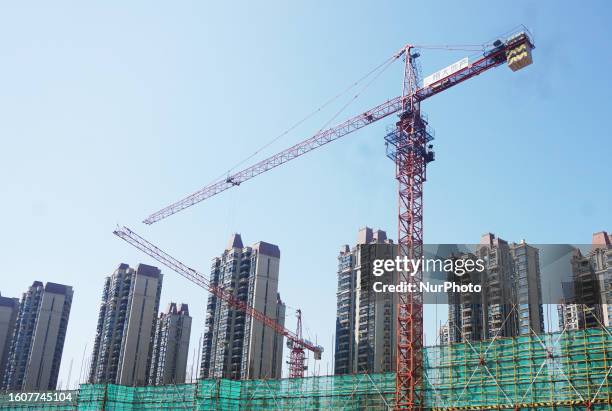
column 563, row 370
column 560, row 371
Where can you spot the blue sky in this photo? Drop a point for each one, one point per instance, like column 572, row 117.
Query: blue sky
column 111, row 111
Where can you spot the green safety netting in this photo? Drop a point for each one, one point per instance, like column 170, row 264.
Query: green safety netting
column 560, row 371
column 565, row 369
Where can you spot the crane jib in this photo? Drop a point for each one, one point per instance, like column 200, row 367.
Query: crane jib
column 194, row 276
column 490, row 59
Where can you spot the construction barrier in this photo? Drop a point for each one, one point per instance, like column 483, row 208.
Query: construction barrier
column 560, row 371
column 566, row 370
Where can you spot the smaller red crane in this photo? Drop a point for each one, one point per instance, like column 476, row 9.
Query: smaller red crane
column 294, row 340
column 297, row 357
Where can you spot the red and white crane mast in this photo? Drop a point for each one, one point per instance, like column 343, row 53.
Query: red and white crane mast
column 411, row 154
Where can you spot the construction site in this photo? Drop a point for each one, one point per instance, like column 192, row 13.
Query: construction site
column 566, row 370
column 560, row 371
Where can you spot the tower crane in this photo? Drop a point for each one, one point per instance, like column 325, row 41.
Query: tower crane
column 409, row 146
column 297, row 355
column 294, row 340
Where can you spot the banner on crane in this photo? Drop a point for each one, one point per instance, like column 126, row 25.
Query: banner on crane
column 445, row 72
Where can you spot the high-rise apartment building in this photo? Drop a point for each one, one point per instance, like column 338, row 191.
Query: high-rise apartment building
column 510, row 302
column 498, row 291
column 277, row 348
column 601, row 260
column 467, row 312
column 123, row 346
column 171, row 346
column 9, row 307
column 365, row 320
column 526, row 259
column 236, row 346
column 581, row 306
column 38, row 339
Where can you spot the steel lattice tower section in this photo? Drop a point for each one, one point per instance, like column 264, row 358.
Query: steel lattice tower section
column 411, row 153
column 297, row 355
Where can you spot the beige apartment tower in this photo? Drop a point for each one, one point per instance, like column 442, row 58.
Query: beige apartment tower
column 9, row 307
column 365, row 320
column 38, row 339
column 171, row 346
column 236, row 346
column 510, row 303
column 601, row 260
column 587, row 301
column 126, row 326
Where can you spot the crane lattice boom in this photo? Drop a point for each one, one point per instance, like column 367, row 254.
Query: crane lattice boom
column 316, row 141
column 194, row 276
column 491, row 58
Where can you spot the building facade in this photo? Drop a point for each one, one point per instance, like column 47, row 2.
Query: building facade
column 601, row 260
column 365, row 320
column 237, row 346
column 38, row 340
column 526, row 260
column 123, row 346
column 443, row 334
column 467, row 312
column 171, row 346
column 581, row 306
column 510, row 303
column 499, row 293
column 277, row 348
column 9, row 307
